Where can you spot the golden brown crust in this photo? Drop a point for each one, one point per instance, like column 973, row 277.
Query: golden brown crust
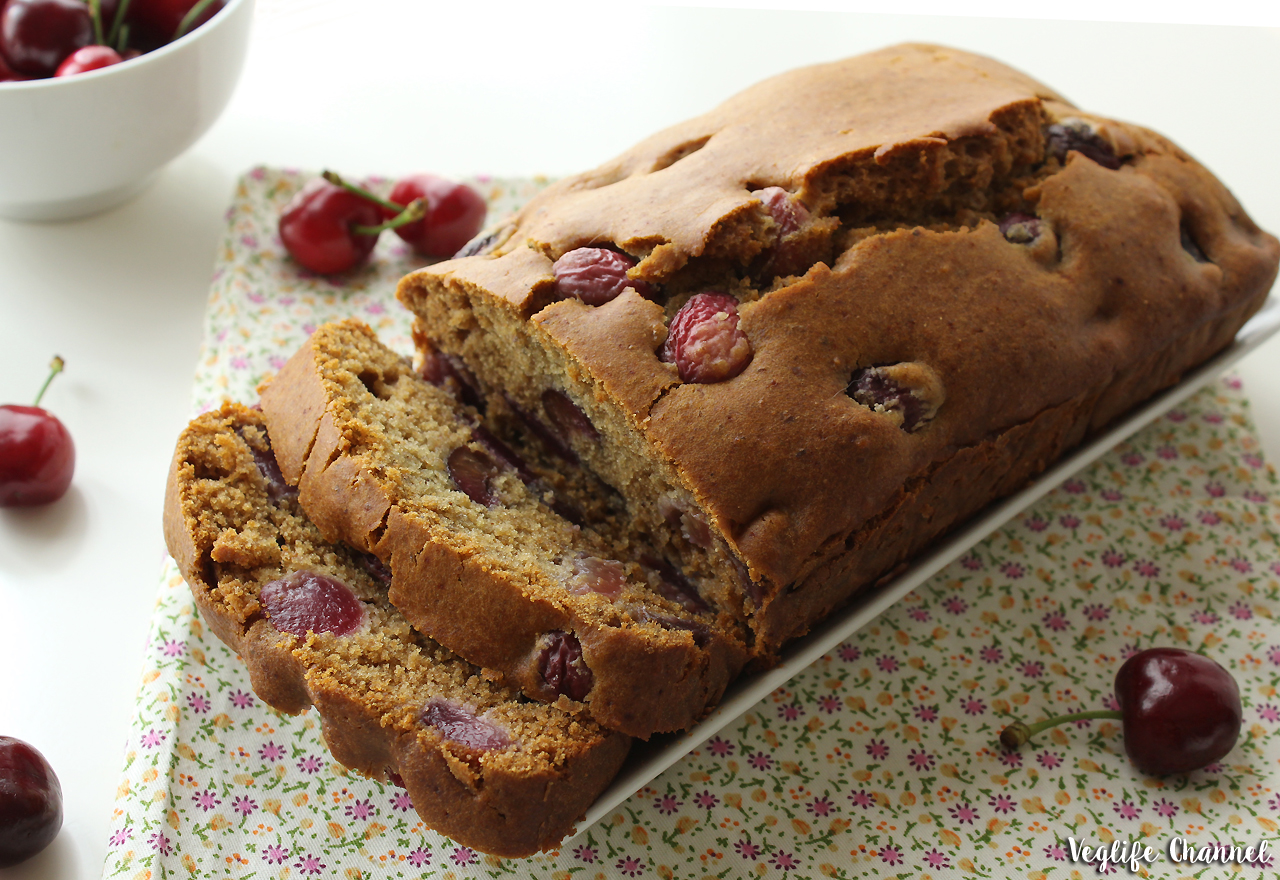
column 509, row 804
column 1137, row 273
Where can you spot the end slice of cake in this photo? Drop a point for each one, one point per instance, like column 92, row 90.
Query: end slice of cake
column 312, row 622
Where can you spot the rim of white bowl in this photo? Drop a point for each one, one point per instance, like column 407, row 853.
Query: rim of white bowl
column 168, row 48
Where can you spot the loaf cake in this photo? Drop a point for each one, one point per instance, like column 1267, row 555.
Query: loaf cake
column 493, row 551
column 810, row 331
column 312, row 623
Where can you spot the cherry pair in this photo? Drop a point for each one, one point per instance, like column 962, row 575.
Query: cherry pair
column 331, row 225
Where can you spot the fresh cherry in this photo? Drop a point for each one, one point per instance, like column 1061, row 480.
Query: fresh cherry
column 331, row 226
column 8, row 74
column 165, row 20
column 455, row 212
column 1180, row 711
column 30, row 802
column 318, row 227
column 87, row 59
column 37, row 457
column 36, row 35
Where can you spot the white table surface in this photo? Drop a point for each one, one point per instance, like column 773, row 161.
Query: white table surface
column 395, row 86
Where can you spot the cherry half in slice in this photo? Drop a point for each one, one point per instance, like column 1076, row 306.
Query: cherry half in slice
column 562, row 666
column 303, row 602
column 463, row 726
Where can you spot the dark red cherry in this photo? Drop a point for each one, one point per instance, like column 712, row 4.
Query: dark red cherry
column 472, row 473
column 567, row 416
column 454, row 214
column 37, row 457
column 36, row 35
column 87, row 59
column 8, row 74
column 303, row 602
column 450, row 373
column 158, row 21
column 562, row 667
column 30, row 802
column 1181, row 710
column 319, row 227
column 503, row 454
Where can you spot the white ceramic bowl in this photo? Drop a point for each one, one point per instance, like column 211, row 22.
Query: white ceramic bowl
column 76, row 145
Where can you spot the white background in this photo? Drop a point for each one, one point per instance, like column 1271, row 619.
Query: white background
column 394, row 86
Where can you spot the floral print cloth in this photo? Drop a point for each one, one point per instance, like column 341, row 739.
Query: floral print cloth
column 880, row 760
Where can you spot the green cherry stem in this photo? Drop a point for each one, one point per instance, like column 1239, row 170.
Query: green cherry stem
column 55, row 367
column 119, row 34
column 190, row 18
column 337, row 180
column 414, row 211
column 95, row 15
column 1019, row 732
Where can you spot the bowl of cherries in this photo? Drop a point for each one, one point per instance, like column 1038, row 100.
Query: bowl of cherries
column 96, row 96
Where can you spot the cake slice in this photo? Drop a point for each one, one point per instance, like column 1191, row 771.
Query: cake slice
column 502, row 558
column 815, row 328
column 311, row 621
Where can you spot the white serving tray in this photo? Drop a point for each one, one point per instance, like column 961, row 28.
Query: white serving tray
column 648, row 760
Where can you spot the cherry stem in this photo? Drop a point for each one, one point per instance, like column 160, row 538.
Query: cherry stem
column 190, row 18
column 55, row 367
column 1019, row 732
column 337, row 180
column 118, row 36
column 95, row 15
column 413, row 212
